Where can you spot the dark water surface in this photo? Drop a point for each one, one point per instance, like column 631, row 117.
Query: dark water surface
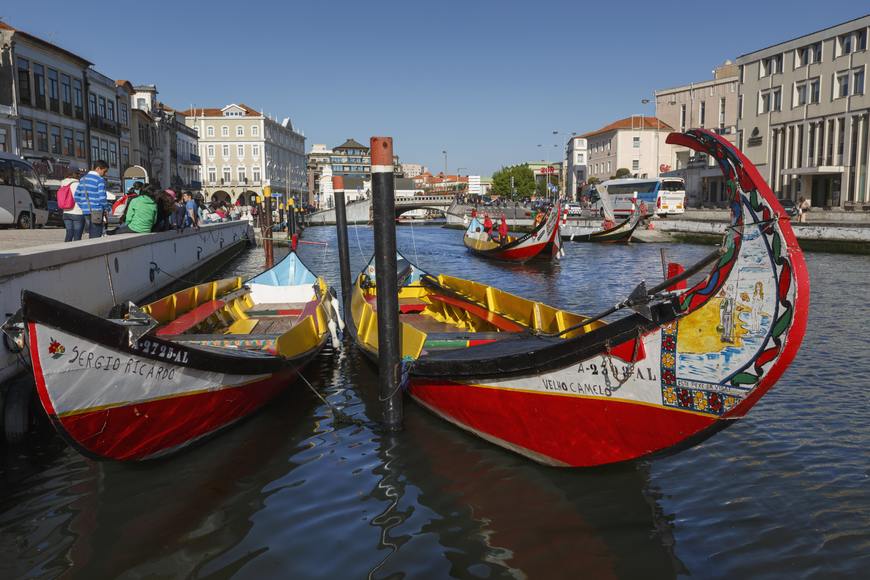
column 292, row 494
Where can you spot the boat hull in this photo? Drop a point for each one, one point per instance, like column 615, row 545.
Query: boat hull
column 125, row 406
column 533, row 245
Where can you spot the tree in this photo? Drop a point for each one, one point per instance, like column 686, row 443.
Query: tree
column 593, row 181
column 523, row 182
column 622, row 172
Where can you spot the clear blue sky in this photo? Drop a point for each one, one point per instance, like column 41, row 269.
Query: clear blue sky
column 486, row 80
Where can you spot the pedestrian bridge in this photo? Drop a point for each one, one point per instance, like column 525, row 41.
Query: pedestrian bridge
column 360, row 211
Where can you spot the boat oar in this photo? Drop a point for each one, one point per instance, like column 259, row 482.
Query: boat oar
column 640, row 298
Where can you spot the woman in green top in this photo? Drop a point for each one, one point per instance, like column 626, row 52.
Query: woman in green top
column 141, row 215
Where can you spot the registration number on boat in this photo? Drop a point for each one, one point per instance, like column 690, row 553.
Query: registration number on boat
column 163, row 351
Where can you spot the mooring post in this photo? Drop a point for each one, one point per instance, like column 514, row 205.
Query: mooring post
column 267, row 226
column 389, row 347
column 291, row 217
column 343, row 248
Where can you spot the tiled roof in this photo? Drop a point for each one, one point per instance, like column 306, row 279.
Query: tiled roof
column 636, row 122
column 212, row 112
column 4, row 26
column 351, row 144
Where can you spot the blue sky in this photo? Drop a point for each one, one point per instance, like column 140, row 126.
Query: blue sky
column 488, row 81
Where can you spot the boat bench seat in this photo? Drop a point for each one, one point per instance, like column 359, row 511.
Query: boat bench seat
column 406, row 305
column 497, row 320
column 190, row 319
column 243, row 326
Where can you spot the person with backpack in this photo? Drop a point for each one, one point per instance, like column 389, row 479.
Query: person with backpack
column 90, row 196
column 141, row 215
column 73, row 219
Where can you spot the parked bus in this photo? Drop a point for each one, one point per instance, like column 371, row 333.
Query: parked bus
column 661, row 195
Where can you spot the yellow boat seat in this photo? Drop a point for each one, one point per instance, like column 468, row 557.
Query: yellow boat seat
column 244, row 326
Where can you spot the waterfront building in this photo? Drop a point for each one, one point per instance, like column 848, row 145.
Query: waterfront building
column 441, row 184
column 42, row 96
column 803, row 115
column 319, row 167
column 576, row 170
column 412, row 170
column 636, row 143
column 103, row 130
column 709, row 104
column 242, row 150
column 351, row 159
column 123, row 91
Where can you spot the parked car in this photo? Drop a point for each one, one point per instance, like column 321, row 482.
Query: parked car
column 23, row 200
column 790, row 207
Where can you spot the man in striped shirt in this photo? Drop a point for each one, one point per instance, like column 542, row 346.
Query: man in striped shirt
column 90, row 196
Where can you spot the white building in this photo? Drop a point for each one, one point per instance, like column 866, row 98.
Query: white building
column 576, row 171
column 636, row 143
column 803, row 115
column 412, row 170
column 242, row 150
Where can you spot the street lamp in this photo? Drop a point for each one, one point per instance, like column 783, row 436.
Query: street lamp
column 444, row 152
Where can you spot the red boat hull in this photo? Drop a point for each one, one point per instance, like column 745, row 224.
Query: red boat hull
column 612, row 431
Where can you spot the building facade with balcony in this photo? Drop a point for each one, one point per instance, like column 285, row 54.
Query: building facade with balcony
column 319, row 166
column 712, row 105
column 104, row 134
column 576, row 170
column 242, row 150
column 803, row 115
column 636, row 143
column 42, row 110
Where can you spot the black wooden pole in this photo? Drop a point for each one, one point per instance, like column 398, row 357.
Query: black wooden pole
column 389, row 355
column 343, row 247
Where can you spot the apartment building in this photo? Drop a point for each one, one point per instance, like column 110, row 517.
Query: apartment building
column 576, row 170
column 710, row 104
column 803, row 115
column 242, row 150
column 636, row 143
column 104, row 132
column 412, row 170
column 42, row 112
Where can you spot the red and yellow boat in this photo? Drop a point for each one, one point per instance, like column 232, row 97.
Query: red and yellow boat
column 571, row 390
column 544, row 240
column 179, row 369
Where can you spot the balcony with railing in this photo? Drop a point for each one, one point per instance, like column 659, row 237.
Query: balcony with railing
column 102, row 124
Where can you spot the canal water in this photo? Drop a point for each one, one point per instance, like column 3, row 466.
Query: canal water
column 293, row 493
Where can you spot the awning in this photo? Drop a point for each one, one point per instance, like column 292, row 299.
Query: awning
column 817, row 170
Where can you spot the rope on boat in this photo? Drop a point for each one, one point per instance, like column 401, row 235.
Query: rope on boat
column 614, row 371
column 157, row 270
column 339, row 416
column 111, row 283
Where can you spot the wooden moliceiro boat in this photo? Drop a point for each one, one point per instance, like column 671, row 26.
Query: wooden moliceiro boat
column 620, row 233
column 180, row 368
column 543, row 240
column 569, row 390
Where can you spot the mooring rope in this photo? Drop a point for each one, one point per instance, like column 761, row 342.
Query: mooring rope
column 340, row 417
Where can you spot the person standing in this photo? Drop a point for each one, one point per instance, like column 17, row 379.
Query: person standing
column 73, row 219
column 191, row 217
column 803, row 207
column 90, row 196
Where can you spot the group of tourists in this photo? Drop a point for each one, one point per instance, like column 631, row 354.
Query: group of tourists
column 146, row 208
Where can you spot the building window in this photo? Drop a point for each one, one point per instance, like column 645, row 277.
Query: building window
column 55, row 141
column 256, row 174
column 722, row 112
column 110, row 110
column 53, row 91
column 227, row 176
column 92, row 105
column 80, row 145
column 104, row 150
column 815, row 90
column 776, row 105
column 125, row 156
column 845, row 44
column 225, row 151
column 861, row 41
column 209, row 131
column 113, row 154
column 771, row 66
column 122, row 111
column 24, row 93
column 635, row 142
column 841, row 86
column 212, row 174
column 95, row 149
column 39, row 84
column 255, row 150
column 858, row 81
column 102, row 109
column 739, row 106
column 702, row 113
column 69, row 147
column 25, row 136
column 255, row 131
column 241, row 174
column 211, row 151
column 800, row 94
column 141, row 104
column 225, row 131
column 78, row 102
column 66, row 94
column 240, row 131
column 240, row 151
column 635, row 164
column 41, row 136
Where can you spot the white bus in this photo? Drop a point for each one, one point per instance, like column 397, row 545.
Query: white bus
column 661, row 195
